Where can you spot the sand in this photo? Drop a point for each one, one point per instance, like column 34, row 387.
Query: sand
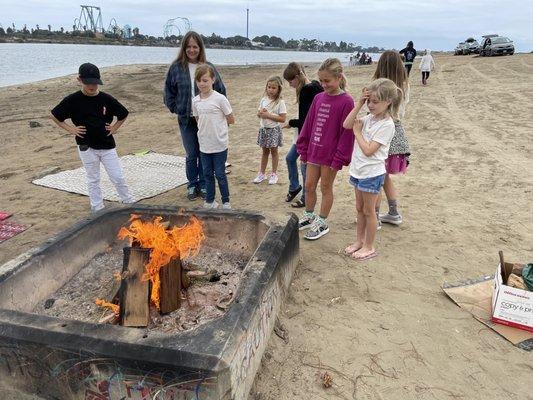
column 383, row 329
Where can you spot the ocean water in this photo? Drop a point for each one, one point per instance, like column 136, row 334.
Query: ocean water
column 30, row 62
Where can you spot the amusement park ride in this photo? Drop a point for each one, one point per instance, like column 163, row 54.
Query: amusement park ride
column 90, row 19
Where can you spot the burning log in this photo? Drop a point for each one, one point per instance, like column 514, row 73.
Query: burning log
column 170, row 289
column 134, row 291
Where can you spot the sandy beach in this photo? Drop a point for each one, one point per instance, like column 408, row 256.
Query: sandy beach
column 383, row 329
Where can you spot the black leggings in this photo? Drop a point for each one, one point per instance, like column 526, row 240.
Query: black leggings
column 408, row 68
column 425, row 75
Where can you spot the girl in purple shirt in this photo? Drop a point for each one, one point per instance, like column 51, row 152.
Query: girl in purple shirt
column 325, row 145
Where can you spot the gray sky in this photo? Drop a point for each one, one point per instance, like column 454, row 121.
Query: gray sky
column 432, row 24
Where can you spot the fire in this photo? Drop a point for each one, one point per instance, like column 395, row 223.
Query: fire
column 113, row 307
column 166, row 244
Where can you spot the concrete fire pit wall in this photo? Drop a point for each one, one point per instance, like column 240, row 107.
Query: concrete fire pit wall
column 63, row 359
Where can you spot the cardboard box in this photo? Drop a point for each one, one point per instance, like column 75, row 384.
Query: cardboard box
column 511, row 306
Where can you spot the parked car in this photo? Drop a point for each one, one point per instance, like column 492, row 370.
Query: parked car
column 499, row 45
column 472, row 46
column 484, row 41
column 460, row 48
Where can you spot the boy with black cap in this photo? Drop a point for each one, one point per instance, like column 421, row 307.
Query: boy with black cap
column 92, row 113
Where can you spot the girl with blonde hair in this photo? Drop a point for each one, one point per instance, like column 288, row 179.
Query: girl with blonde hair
column 373, row 134
column 325, row 145
column 272, row 113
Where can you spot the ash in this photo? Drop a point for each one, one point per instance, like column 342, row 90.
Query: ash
column 208, row 297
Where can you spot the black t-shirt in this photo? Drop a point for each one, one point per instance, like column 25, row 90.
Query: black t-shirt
column 307, row 94
column 93, row 112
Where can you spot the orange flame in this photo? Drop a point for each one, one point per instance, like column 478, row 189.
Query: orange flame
column 166, row 244
column 113, row 307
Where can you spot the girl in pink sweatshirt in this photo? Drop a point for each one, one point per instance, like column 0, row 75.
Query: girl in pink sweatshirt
column 325, row 145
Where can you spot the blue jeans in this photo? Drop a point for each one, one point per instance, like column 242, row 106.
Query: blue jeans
column 193, row 163
column 214, row 165
column 292, row 167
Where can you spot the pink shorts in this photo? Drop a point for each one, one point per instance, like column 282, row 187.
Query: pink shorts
column 397, row 164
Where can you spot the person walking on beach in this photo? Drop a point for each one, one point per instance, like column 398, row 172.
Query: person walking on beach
column 306, row 90
column 92, row 113
column 325, row 145
column 373, row 134
column 213, row 113
column 180, row 88
column 427, row 64
column 409, row 53
column 271, row 113
column 390, row 66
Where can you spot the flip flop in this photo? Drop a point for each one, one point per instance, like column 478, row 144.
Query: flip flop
column 349, row 253
column 298, row 204
column 292, row 194
column 367, row 257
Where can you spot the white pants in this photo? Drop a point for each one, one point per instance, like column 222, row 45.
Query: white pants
column 91, row 160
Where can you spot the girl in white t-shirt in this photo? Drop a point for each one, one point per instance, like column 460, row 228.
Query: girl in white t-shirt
column 373, row 134
column 272, row 113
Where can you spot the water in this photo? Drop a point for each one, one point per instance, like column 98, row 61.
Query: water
column 30, row 62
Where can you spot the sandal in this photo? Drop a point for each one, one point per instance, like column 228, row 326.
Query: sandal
column 298, row 204
column 292, row 194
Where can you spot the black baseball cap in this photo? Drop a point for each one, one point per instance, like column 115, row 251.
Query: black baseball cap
column 90, row 74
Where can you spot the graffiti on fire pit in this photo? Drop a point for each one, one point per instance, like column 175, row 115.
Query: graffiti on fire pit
column 57, row 374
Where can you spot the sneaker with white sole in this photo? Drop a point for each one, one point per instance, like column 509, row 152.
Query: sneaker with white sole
column 306, row 221
column 259, row 178
column 318, row 229
column 391, row 219
column 211, row 206
column 273, row 179
column 226, row 205
column 378, row 227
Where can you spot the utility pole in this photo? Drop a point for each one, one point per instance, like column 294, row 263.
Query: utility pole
column 247, row 22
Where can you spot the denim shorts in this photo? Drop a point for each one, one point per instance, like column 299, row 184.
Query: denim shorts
column 369, row 185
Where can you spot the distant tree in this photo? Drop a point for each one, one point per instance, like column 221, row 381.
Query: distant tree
column 275, row 41
column 343, row 46
column 2, row 32
column 49, row 28
column 261, row 39
column 216, row 39
column 25, row 29
column 37, row 26
column 292, row 44
column 237, row 40
column 62, row 30
column 135, row 31
column 9, row 31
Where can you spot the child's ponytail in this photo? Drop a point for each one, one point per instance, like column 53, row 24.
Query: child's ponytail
column 334, row 67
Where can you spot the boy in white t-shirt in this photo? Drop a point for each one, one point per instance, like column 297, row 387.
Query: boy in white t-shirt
column 213, row 114
column 373, row 134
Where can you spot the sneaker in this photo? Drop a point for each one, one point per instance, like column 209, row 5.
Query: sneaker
column 192, row 194
column 391, row 219
column 202, row 193
column 273, row 179
column 306, row 221
column 226, row 205
column 259, row 178
column 318, row 229
column 211, row 206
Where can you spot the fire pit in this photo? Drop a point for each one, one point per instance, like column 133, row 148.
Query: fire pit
column 55, row 344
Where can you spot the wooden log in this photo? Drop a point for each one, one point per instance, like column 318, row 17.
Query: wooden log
column 170, row 292
column 134, row 292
